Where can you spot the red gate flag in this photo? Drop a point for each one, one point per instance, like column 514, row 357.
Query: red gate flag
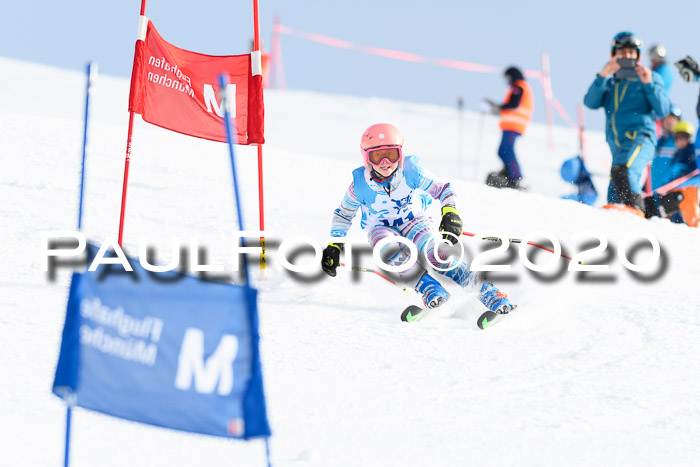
column 177, row 89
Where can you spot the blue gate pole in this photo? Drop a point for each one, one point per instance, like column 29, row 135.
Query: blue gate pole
column 223, row 81
column 66, row 452
column 91, row 78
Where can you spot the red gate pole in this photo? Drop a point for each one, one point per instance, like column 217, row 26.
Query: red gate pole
column 261, row 206
column 278, row 76
column 273, row 54
column 141, row 33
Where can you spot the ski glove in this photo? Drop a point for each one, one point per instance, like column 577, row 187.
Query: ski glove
column 331, row 258
column 451, row 224
column 689, row 69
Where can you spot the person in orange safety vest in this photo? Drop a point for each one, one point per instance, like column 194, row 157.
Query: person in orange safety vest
column 515, row 114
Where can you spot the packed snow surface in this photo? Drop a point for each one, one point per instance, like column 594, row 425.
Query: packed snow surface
column 599, row 369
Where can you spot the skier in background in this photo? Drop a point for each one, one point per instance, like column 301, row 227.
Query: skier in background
column 657, row 57
column 631, row 105
column 515, row 114
column 665, row 149
column 684, row 160
column 680, row 204
column 384, row 190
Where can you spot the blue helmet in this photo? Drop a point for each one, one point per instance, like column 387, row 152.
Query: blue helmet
column 625, row 40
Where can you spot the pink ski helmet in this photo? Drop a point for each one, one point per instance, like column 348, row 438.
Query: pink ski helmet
column 381, row 136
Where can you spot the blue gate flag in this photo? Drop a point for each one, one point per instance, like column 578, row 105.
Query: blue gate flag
column 165, row 349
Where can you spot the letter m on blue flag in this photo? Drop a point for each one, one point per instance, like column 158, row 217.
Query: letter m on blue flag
column 165, row 349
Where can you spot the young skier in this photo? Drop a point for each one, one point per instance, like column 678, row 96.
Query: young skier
column 680, row 204
column 384, row 188
column 665, row 149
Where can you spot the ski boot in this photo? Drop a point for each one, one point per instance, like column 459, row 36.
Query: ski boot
column 502, row 180
column 434, row 294
column 498, row 179
column 494, row 299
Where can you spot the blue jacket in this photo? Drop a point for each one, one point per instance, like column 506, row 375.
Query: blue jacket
column 666, row 146
column 405, row 196
column 661, row 165
column 666, row 75
column 683, row 163
column 665, row 168
column 631, row 107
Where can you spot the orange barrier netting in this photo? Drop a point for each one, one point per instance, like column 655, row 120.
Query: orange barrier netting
column 411, row 57
column 397, row 54
column 562, row 113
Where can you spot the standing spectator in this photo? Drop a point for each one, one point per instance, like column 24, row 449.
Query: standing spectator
column 684, row 159
column 665, row 149
column 515, row 114
column 657, row 56
column 631, row 99
column 679, row 204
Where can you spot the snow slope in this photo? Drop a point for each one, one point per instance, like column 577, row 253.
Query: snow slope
column 602, row 371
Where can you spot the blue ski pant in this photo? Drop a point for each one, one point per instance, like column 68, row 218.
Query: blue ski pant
column 506, row 151
column 634, row 153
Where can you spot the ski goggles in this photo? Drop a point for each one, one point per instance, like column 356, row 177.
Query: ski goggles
column 375, row 156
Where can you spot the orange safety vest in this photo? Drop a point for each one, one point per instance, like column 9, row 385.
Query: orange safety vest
column 518, row 118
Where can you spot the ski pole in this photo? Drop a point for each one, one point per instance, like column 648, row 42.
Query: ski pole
column 477, row 152
column 377, row 273
column 517, row 240
column 460, row 135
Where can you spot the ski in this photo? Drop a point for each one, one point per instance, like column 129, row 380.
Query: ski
column 413, row 313
column 488, row 318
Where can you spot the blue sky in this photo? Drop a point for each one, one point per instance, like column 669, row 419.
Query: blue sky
column 68, row 34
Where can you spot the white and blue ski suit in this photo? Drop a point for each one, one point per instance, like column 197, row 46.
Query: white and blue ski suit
column 397, row 207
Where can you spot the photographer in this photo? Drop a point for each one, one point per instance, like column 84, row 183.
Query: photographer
column 633, row 96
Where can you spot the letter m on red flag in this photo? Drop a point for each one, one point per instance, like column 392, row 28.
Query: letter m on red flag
column 177, row 89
